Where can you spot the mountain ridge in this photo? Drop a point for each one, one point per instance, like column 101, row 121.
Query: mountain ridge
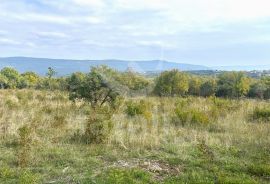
column 68, row 66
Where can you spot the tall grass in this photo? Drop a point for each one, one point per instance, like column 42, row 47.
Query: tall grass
column 208, row 138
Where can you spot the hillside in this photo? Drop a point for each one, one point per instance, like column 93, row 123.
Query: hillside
column 66, row 66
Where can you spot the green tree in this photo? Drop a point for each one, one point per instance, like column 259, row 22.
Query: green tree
column 12, row 77
column 93, row 87
column 171, row 83
column 133, row 80
column 208, row 88
column 233, row 84
column 51, row 73
column 257, row 90
column 194, row 86
column 266, row 94
column 3, row 82
column 29, row 80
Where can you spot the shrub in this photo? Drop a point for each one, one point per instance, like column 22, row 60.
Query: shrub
column 98, row 127
column 190, row 117
column 261, row 114
column 221, row 107
column 134, row 108
column 139, row 108
column 95, row 131
column 266, row 94
column 259, row 170
column 25, row 140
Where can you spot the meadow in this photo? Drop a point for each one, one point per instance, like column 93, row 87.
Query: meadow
column 150, row 140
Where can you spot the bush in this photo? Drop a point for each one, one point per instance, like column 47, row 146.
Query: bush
column 261, row 114
column 221, row 107
column 139, row 108
column 25, row 140
column 190, row 117
column 134, row 109
column 259, row 170
column 98, row 127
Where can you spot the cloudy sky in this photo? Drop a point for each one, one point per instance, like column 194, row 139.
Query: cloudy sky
column 208, row 32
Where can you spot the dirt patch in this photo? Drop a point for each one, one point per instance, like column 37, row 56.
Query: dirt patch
column 158, row 168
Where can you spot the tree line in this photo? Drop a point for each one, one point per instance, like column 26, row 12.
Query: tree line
column 104, row 83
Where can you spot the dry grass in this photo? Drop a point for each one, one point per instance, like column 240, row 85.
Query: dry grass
column 229, row 149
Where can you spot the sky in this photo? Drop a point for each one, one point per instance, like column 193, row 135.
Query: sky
column 206, row 32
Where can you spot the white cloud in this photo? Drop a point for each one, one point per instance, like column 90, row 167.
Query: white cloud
column 52, row 34
column 90, row 3
column 156, row 43
column 7, row 41
column 196, row 11
column 175, row 25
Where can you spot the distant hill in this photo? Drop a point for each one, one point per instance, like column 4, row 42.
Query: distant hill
column 67, row 66
column 242, row 68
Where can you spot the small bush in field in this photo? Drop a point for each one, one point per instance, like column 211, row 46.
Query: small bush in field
column 259, row 170
column 98, row 126
column 225, row 104
column 95, row 131
column 134, row 109
column 25, row 140
column 261, row 114
column 190, row 117
column 138, row 108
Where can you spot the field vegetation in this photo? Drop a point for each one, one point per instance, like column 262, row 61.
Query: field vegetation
column 121, row 127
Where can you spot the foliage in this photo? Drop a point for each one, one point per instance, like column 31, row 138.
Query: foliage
column 133, row 80
column 233, row 84
column 261, row 114
column 257, row 90
column 171, row 83
column 51, row 73
column 137, row 108
column 25, row 139
column 208, row 88
column 93, row 87
column 12, row 76
column 29, row 80
column 194, row 86
column 98, row 128
column 185, row 117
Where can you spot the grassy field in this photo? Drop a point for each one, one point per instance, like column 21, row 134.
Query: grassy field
column 166, row 140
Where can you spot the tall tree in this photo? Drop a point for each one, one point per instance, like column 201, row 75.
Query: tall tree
column 233, row 84
column 171, row 83
column 208, row 88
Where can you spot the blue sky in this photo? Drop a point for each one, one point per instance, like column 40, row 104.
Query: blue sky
column 208, row 32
